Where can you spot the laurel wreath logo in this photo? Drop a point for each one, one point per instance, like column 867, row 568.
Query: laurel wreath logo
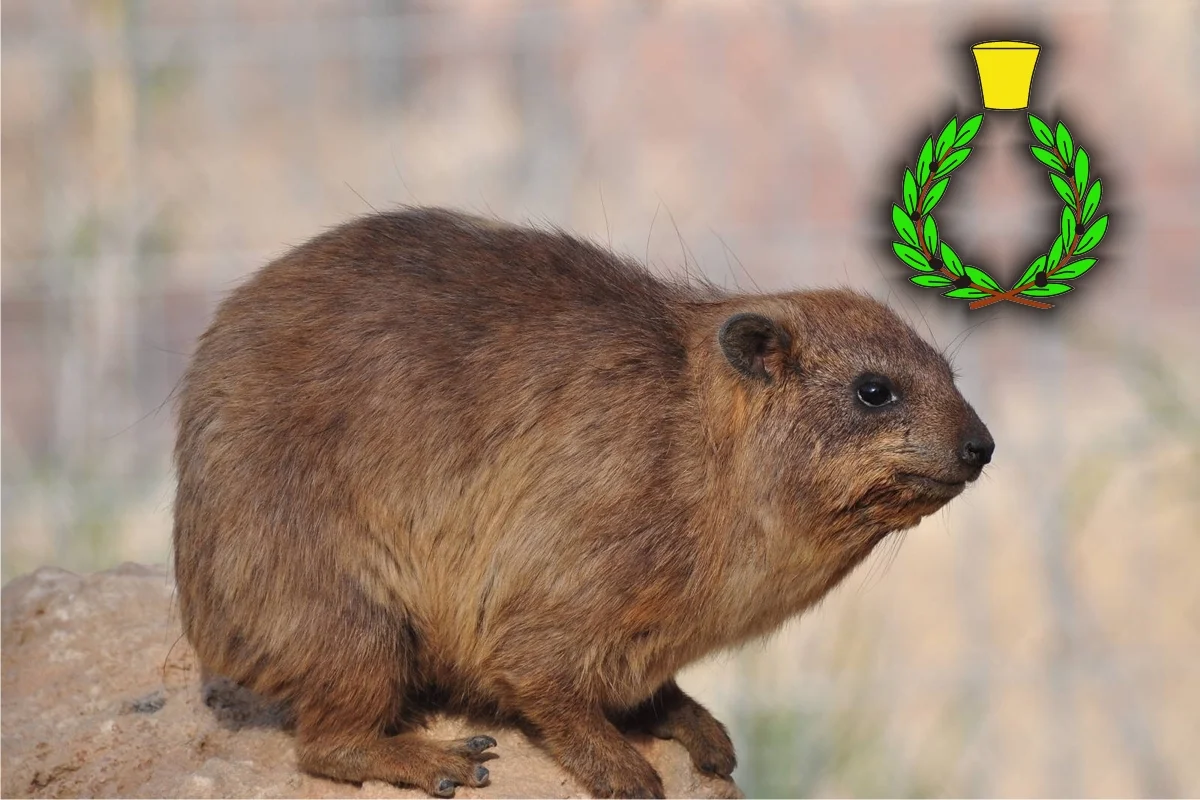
column 1049, row 275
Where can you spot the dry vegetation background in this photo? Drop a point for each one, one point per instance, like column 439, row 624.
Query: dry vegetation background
column 1040, row 637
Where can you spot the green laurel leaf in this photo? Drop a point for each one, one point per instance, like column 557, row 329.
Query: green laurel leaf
column 935, row 194
column 951, row 261
column 967, row 131
column 1068, row 226
column 1062, row 139
column 946, row 139
column 1033, row 269
column 1074, row 269
column 1055, row 254
column 904, row 225
column 952, row 161
column 912, row 257
column 924, row 161
column 981, row 278
column 1092, row 236
column 1064, row 191
column 910, row 192
column 967, row 294
column 1041, row 130
column 1082, row 165
column 1049, row 290
column 930, row 280
column 1091, row 202
column 1046, row 157
column 930, row 233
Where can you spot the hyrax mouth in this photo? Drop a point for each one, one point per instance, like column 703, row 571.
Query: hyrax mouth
column 933, row 487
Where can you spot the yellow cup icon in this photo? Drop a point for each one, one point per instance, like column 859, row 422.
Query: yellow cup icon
column 1005, row 72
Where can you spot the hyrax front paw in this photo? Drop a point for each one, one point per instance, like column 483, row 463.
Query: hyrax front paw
column 459, row 766
column 705, row 738
column 639, row 781
column 407, row 759
column 712, row 752
column 472, row 745
column 445, row 786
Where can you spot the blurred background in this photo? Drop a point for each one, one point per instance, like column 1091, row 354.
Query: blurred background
column 1040, row 637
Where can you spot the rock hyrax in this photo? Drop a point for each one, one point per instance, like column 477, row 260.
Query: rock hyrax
column 426, row 454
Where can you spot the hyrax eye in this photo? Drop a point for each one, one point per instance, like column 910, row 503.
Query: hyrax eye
column 875, row 394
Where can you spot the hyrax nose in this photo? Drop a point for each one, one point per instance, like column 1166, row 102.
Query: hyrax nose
column 977, row 449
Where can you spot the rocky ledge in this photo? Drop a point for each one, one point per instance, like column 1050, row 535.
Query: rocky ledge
column 102, row 698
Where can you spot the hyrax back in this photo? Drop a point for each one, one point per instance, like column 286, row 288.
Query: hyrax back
column 425, row 452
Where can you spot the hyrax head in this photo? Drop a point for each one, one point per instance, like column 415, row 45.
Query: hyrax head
column 855, row 418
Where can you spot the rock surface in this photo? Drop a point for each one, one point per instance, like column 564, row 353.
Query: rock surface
column 102, row 697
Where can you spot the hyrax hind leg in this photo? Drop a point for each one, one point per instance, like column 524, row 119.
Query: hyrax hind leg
column 671, row 714
column 348, row 702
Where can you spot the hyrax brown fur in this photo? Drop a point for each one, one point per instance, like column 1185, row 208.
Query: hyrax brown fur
column 426, row 452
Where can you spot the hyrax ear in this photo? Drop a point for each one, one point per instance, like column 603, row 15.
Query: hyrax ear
column 755, row 346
